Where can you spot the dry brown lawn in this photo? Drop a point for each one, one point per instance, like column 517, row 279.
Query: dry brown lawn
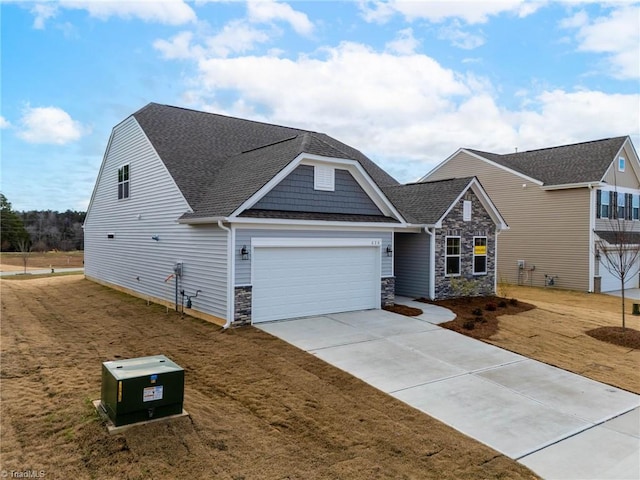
column 554, row 333
column 259, row 408
column 39, row 260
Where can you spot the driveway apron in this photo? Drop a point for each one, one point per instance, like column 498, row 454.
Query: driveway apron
column 559, row 424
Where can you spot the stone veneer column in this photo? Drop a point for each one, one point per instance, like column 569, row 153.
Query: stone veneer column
column 388, row 291
column 242, row 310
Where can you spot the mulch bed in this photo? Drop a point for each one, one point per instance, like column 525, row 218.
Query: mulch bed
column 628, row 337
column 477, row 317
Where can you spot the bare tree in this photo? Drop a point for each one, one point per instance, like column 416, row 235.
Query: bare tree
column 618, row 250
column 24, row 247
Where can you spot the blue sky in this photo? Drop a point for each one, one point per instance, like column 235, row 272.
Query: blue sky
column 407, row 83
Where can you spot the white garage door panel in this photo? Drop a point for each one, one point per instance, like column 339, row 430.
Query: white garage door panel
column 611, row 283
column 297, row 282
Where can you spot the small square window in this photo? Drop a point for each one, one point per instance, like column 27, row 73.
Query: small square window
column 621, row 164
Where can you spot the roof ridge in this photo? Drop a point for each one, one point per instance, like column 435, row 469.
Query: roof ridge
column 222, row 115
column 550, row 148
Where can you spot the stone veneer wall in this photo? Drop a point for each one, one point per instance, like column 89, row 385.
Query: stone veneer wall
column 481, row 225
column 388, row 291
column 242, row 310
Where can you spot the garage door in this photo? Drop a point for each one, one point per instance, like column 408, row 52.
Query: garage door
column 291, row 282
column 611, row 283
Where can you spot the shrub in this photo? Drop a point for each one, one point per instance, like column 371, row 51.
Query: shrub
column 481, row 320
column 463, row 287
column 502, row 304
column 477, row 312
column 469, row 325
column 491, row 307
column 513, row 301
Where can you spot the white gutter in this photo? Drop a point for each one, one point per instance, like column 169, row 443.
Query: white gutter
column 432, row 269
column 230, row 265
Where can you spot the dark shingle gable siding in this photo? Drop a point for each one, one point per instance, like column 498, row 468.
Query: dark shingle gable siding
column 296, row 193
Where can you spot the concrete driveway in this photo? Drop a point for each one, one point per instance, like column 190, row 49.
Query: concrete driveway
column 559, row 424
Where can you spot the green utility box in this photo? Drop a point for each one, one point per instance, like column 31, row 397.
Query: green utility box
column 139, row 389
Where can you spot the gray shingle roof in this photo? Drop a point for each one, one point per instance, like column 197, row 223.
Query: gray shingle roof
column 426, row 202
column 218, row 162
column 566, row 164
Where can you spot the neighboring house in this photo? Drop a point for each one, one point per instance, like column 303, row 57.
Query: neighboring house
column 246, row 222
column 456, row 241
column 559, row 203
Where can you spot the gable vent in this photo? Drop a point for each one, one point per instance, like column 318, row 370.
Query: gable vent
column 324, row 178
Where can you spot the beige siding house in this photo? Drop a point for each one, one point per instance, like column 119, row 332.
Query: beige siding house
column 556, row 201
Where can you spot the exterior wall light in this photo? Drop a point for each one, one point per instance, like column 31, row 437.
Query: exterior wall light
column 155, row 237
column 244, row 252
column 389, row 251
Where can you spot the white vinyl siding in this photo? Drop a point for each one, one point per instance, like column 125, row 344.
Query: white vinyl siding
column 132, row 259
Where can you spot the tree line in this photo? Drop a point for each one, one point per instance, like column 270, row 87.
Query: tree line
column 40, row 230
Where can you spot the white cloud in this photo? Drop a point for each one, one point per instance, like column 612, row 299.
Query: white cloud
column 43, row 12
column 460, row 38
column 178, row 47
column 4, row 123
column 236, row 37
column 265, row 11
column 470, row 11
column 616, row 35
column 407, row 111
column 49, row 125
column 404, row 44
column 169, row 12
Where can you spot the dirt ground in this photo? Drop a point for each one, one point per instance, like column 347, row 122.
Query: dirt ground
column 259, row 408
column 554, row 333
column 10, row 262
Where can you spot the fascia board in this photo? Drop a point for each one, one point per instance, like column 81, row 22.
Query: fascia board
column 567, row 186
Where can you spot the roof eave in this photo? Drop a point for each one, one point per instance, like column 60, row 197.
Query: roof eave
column 566, row 186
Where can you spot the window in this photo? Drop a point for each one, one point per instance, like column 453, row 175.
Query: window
column 123, row 182
column 466, row 210
column 324, row 178
column 603, row 211
column 636, row 207
column 479, row 255
column 620, row 204
column 452, row 256
column 621, row 164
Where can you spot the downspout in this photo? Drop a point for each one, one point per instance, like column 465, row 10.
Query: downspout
column 230, row 260
column 432, row 262
column 592, row 241
column 495, row 261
